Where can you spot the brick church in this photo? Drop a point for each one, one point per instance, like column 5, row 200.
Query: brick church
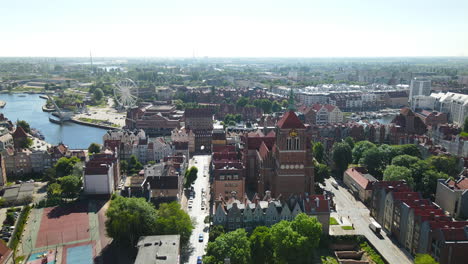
column 280, row 161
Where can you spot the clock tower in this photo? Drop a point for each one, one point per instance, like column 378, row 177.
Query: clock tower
column 293, row 171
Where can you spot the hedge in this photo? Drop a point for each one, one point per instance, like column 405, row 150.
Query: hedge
column 20, row 227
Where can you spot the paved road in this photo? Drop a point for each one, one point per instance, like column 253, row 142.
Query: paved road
column 198, row 248
column 346, row 206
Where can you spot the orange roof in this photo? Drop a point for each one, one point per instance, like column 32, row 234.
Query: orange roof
column 359, row 178
column 460, row 184
column 290, row 120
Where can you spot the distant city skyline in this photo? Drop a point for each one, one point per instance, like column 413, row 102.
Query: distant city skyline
column 182, row 28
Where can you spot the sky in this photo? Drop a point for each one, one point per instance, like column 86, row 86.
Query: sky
column 240, row 28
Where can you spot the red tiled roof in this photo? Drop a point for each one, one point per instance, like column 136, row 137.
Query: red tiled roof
column 462, row 184
column 290, row 120
column 263, row 150
column 5, row 252
column 323, row 204
column 329, row 107
column 454, row 234
column 359, row 178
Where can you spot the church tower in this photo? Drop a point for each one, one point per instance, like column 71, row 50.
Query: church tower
column 294, row 172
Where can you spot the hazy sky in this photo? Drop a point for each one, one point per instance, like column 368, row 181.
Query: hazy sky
column 251, row 28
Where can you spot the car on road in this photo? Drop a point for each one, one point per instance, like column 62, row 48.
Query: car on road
column 200, row 238
column 199, row 260
column 203, row 207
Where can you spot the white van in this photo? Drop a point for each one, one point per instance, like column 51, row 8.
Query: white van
column 374, row 226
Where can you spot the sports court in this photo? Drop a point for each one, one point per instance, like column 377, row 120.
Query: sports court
column 81, row 253
column 45, row 257
column 61, row 225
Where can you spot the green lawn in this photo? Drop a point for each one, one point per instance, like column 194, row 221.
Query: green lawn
column 347, row 228
column 333, row 221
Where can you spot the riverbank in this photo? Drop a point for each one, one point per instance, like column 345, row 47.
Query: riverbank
column 90, row 123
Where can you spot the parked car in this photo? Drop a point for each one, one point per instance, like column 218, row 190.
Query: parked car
column 199, row 260
column 200, row 238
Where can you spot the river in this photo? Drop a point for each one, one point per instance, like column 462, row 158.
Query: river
column 29, row 108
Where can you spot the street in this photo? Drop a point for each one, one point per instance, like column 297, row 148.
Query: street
column 348, row 206
column 198, row 215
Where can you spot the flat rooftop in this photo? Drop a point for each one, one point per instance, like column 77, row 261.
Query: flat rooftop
column 158, row 250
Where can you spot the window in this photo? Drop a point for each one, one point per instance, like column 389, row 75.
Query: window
column 221, row 177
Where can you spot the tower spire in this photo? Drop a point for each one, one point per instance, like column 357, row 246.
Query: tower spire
column 291, row 106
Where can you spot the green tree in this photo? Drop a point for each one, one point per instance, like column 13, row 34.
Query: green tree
column 374, row 160
column 318, row 151
column 130, row 218
column 398, row 173
column 215, row 232
column 445, row 164
column 321, row 172
column 134, row 165
column 350, row 142
column 94, row 148
column 64, row 166
column 191, row 176
column 173, row 220
column 24, row 125
column 123, row 166
column 54, row 190
column 407, row 149
column 285, row 103
column 359, row 149
column 98, row 94
column 429, row 182
column 234, row 245
column 342, row 156
column 286, row 240
column 405, row 160
column 261, row 246
column 26, row 143
column 276, row 107
column 309, row 227
column 424, row 259
column 71, row 185
column 242, row 101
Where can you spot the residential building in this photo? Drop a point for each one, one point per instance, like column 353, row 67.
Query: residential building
column 102, row 174
column 3, row 174
column 411, row 123
column 418, row 224
column 228, row 173
column 6, row 139
column 164, row 249
column 234, row 213
column 327, row 114
column 164, row 181
column 359, row 182
column 309, row 99
column 455, row 104
column 452, row 196
column 200, row 120
column 420, row 86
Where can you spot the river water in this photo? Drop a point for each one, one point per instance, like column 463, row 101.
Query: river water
column 29, row 108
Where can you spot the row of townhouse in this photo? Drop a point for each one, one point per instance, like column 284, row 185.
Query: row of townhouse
column 233, row 214
column 355, row 100
column 23, row 161
column 321, row 114
column 145, row 149
column 418, row 224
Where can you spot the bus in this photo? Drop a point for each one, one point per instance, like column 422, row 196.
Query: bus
column 374, row 226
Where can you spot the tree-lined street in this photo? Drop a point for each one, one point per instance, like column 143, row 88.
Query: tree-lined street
column 348, row 206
